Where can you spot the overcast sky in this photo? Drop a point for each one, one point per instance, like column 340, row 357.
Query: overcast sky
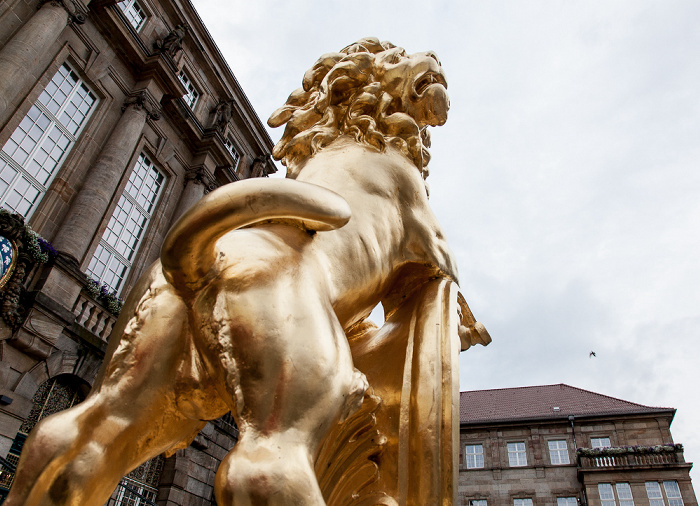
column 566, row 176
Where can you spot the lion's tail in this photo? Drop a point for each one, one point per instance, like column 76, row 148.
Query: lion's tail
column 188, row 251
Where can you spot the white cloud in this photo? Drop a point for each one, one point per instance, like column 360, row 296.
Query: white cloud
column 567, row 176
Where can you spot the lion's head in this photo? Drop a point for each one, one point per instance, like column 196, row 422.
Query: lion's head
column 371, row 90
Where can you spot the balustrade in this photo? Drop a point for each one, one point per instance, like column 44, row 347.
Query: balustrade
column 93, row 317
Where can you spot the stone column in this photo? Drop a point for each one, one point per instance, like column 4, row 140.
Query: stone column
column 91, row 203
column 25, row 56
column 197, row 183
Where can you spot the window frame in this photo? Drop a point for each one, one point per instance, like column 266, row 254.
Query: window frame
column 235, row 153
column 624, row 501
column 145, row 163
column 516, row 454
column 191, row 98
column 56, row 135
column 127, row 12
column 567, row 501
column 559, row 452
column 654, row 501
column 476, row 455
column 609, row 499
column 522, row 501
column 595, row 445
column 673, row 500
column 477, row 502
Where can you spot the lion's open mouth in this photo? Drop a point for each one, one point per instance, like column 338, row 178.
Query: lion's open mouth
column 427, row 80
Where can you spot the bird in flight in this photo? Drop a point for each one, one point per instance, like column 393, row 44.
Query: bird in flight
column 591, row 354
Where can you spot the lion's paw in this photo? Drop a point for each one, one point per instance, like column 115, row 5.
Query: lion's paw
column 358, row 387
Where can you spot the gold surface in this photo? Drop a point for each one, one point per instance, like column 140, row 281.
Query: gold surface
column 260, row 307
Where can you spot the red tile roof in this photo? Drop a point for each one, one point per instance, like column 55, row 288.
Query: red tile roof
column 538, row 402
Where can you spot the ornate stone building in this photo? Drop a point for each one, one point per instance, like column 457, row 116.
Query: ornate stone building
column 115, row 117
column 559, row 445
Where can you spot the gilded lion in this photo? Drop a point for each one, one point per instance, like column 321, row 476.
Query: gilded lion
column 258, row 286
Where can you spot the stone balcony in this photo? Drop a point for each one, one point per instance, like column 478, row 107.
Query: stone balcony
column 626, row 457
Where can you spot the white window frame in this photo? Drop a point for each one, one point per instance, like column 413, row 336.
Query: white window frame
column 124, row 235
column 606, row 494
column 192, row 95
column 37, row 149
column 526, row 501
column 558, row 452
column 600, row 442
column 654, row 493
column 673, row 493
column 477, row 502
column 624, row 494
column 517, row 454
column 567, row 501
column 233, row 150
column 474, row 456
column 134, row 13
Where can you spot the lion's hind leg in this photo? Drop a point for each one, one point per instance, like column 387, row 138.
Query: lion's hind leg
column 137, row 410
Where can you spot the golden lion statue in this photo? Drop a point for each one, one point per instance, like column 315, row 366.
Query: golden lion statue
column 259, row 284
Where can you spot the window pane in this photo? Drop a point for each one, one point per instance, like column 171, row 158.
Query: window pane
column 673, row 493
column 605, row 491
column 567, row 501
column 133, row 12
column 474, row 456
column 126, row 227
column 522, row 502
column 516, row 455
column 192, row 94
column 624, row 494
column 477, row 502
column 558, row 452
column 600, row 442
column 654, row 493
column 38, row 146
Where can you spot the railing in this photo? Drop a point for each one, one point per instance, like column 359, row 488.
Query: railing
column 630, row 456
column 93, row 317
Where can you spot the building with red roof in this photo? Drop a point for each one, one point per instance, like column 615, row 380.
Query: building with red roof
column 561, row 445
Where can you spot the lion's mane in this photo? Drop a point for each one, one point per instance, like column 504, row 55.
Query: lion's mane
column 341, row 95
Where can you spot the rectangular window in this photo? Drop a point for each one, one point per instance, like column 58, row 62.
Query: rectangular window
column 234, row 153
column 477, row 502
column 120, row 241
column 600, row 442
column 522, row 502
column 558, row 452
column 133, row 12
column 654, row 493
column 516, row 455
column 607, row 498
column 673, row 493
column 474, row 456
column 31, row 157
column 624, row 494
column 567, row 501
column 192, row 94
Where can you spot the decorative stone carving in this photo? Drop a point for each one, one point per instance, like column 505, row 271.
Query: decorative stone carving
column 142, row 100
column 74, row 9
column 172, row 43
column 222, row 114
column 201, row 176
